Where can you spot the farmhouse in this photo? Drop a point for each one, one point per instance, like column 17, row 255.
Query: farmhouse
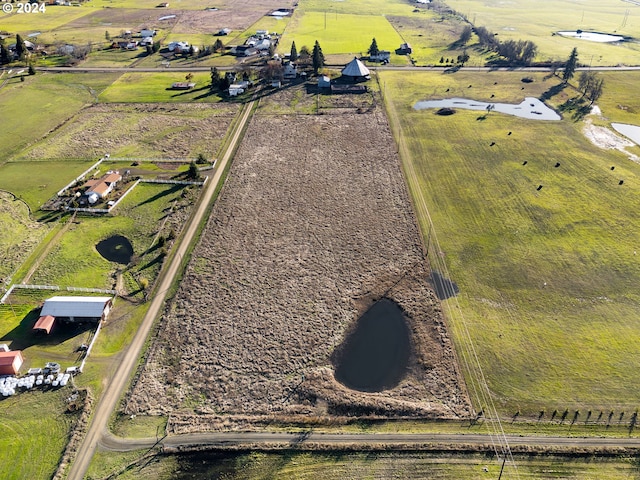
column 77, row 309
column 10, row 362
column 97, row 189
column 290, row 71
column 355, row 71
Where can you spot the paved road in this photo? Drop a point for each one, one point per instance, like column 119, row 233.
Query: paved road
column 121, row 379
column 274, row 439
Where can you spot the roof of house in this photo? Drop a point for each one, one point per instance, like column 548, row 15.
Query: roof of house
column 101, row 185
column 7, row 358
column 355, row 68
column 45, row 323
column 90, row 307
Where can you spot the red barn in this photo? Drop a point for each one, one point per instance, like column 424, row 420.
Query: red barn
column 10, row 362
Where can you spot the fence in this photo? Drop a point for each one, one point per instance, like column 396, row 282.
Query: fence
column 175, row 182
column 81, row 176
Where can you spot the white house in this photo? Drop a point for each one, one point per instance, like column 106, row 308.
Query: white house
column 290, row 71
column 99, row 188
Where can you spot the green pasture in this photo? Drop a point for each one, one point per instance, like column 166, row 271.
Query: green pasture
column 53, row 18
column 41, row 103
column 344, row 33
column 35, row 182
column 25, row 235
column 195, row 39
column 174, row 5
column 74, row 261
column 33, row 433
column 525, row 20
column 356, row 7
column 547, row 277
column 433, row 36
column 114, row 57
column 298, row 465
column 156, row 87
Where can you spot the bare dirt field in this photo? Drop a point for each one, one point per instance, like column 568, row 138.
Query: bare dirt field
column 140, row 130
column 313, row 225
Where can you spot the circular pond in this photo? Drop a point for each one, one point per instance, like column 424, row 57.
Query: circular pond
column 116, row 249
column 375, row 356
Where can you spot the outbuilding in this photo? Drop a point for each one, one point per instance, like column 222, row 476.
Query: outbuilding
column 44, row 324
column 77, row 309
column 356, row 71
column 10, row 362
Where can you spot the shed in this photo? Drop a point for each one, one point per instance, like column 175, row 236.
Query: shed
column 381, row 56
column 44, row 324
column 356, row 71
column 183, row 85
column 404, row 49
column 77, row 308
column 10, row 362
column 324, row 81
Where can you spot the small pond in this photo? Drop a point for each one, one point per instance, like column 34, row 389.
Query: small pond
column 374, row 357
column 530, row 108
column 116, row 249
column 592, row 36
column 630, row 131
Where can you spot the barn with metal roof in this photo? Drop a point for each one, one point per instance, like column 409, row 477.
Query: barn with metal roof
column 77, row 309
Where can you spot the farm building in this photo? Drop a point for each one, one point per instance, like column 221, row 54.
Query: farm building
column 224, row 31
column 290, row 71
column 97, row 189
column 404, row 49
column 381, row 56
column 356, row 71
column 324, row 81
column 44, row 324
column 77, row 309
column 10, row 362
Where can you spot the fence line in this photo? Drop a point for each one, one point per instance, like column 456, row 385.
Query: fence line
column 124, row 195
column 81, row 176
column 37, row 287
column 152, row 160
column 6, row 295
column 174, row 182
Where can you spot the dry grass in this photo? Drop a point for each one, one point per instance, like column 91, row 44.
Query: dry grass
column 313, row 225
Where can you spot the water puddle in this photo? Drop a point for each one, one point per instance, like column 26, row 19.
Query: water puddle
column 530, row 107
column 116, row 249
column 592, row 36
column 375, row 356
column 632, row 132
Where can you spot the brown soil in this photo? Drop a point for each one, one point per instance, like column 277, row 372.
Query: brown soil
column 313, row 225
column 139, row 130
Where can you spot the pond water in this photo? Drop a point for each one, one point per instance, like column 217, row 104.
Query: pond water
column 530, row 107
column 374, row 357
column 593, row 36
column 116, row 249
column 630, row 131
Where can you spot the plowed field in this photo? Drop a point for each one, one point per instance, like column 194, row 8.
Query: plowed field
column 313, row 225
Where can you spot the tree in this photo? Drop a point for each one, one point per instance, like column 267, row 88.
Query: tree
column 293, row 56
column 273, row 70
column 591, row 86
column 464, row 58
column 21, row 50
column 570, row 66
column 465, row 36
column 4, row 55
column 107, row 36
column 304, row 54
column 218, row 45
column 317, row 58
column 188, row 77
column 32, row 71
column 193, row 171
column 201, row 159
column 373, row 49
column 215, row 79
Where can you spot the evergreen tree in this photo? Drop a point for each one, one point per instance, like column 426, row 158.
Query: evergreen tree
column 570, row 66
column 4, row 55
column 317, row 58
column 215, row 79
column 218, row 45
column 373, row 49
column 20, row 48
column 294, row 52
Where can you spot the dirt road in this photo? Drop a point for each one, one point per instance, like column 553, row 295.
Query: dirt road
column 118, row 384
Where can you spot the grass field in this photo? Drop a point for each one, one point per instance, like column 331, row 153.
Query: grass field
column 53, row 18
column 35, row 182
column 525, row 20
column 155, row 87
column 340, row 465
column 33, row 433
column 546, row 277
column 343, row 33
column 41, row 103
